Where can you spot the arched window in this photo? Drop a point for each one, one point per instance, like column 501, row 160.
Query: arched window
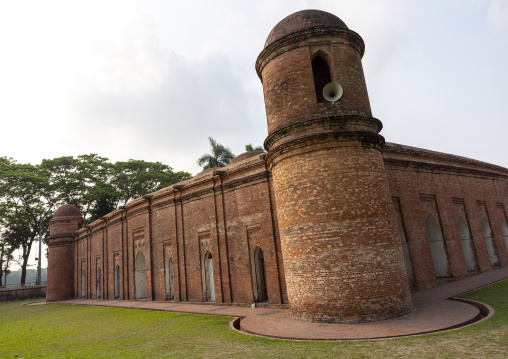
column 117, row 282
column 140, row 276
column 170, row 290
column 505, row 232
column 321, row 72
column 491, row 245
column 259, row 276
column 437, row 247
column 83, row 284
column 98, row 282
column 467, row 245
column 207, row 277
column 407, row 257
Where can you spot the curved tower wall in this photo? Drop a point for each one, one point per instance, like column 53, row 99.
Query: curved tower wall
column 60, row 282
column 341, row 249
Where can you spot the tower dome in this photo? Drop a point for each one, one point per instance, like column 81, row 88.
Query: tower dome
column 67, row 210
column 304, row 20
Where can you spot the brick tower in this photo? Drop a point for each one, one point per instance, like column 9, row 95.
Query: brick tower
column 341, row 249
column 65, row 222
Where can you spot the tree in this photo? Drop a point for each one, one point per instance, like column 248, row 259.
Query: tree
column 249, row 148
column 135, row 178
column 219, row 157
column 5, row 258
column 25, row 201
column 81, row 181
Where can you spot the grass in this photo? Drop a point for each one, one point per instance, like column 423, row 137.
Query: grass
column 64, row 331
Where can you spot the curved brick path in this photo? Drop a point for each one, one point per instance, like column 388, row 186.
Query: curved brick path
column 433, row 312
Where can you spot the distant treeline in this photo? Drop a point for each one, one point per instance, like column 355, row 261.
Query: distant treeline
column 14, row 277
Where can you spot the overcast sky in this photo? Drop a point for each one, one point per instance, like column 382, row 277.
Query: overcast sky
column 153, row 80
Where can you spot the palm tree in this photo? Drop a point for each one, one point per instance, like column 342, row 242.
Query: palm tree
column 219, row 157
column 249, row 147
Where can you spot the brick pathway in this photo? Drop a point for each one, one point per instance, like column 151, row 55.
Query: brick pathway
column 433, row 312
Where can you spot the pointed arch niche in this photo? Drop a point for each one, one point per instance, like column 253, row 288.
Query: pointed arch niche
column 140, row 276
column 467, row 245
column 83, row 283
column 168, row 270
column 116, row 280
column 259, row 276
column 98, row 283
column 505, row 232
column 489, row 240
column 207, row 277
column 407, row 257
column 437, row 247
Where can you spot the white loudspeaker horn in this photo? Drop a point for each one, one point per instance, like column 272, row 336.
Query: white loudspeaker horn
column 332, row 92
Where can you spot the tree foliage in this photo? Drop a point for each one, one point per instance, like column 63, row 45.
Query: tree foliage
column 135, row 178
column 25, row 202
column 220, row 156
column 249, row 148
column 30, row 193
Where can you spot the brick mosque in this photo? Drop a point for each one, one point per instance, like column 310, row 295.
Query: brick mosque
column 332, row 221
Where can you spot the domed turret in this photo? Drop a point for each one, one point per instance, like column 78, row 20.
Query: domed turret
column 60, row 283
column 342, row 255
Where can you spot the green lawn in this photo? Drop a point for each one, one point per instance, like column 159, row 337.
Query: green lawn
column 64, row 331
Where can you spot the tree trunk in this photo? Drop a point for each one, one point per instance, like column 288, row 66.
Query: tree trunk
column 26, row 252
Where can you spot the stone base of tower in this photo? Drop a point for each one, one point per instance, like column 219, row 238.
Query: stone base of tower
column 357, row 312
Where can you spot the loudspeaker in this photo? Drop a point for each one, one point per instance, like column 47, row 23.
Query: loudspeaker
column 332, row 92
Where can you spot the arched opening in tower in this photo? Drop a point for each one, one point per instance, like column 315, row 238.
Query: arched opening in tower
column 321, row 72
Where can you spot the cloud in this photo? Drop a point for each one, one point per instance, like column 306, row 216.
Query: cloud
column 138, row 97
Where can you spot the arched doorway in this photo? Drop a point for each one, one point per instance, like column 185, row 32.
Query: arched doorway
column 437, row 247
column 170, row 290
column 505, row 232
column 467, row 245
column 259, row 276
column 83, row 284
column 98, row 282
column 207, row 276
column 407, row 256
column 140, row 276
column 117, row 282
column 491, row 245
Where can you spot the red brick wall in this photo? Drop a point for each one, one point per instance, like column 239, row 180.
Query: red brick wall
column 446, row 186
column 423, row 182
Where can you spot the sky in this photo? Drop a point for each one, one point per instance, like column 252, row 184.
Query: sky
column 154, row 79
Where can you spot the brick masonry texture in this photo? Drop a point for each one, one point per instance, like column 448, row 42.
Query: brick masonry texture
column 325, row 203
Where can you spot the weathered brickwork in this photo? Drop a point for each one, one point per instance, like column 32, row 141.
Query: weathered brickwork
column 447, row 187
column 330, row 221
